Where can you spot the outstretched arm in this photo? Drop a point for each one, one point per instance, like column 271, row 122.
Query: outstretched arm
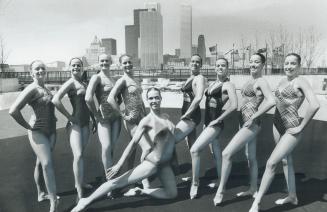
column 56, row 100
column 199, row 87
column 17, row 106
column 231, row 91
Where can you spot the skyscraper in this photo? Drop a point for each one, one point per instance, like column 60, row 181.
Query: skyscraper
column 110, row 46
column 132, row 35
column 94, row 51
column 202, row 47
column 151, row 40
column 186, row 31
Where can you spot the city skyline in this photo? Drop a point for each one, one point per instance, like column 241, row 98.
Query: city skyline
column 50, row 31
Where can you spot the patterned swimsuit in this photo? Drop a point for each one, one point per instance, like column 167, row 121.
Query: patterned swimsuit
column 287, row 104
column 134, row 107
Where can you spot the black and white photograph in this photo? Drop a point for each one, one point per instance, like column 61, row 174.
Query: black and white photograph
column 163, row 105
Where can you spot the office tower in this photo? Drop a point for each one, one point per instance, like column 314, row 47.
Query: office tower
column 186, row 31
column 194, row 49
column 201, row 47
column 110, row 46
column 94, row 51
column 151, row 40
column 178, row 52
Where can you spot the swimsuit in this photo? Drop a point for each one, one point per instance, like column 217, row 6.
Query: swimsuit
column 80, row 110
column 134, row 107
column 287, row 105
column 44, row 118
column 108, row 114
column 251, row 106
column 188, row 95
column 214, row 104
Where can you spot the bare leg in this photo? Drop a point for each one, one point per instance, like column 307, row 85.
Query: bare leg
column 250, row 152
column 284, row 147
column 39, row 182
column 144, row 170
column 104, row 133
column 242, row 137
column 42, row 146
column 183, row 128
column 78, row 140
column 206, row 137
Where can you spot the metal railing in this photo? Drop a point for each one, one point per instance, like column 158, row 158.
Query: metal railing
column 59, row 77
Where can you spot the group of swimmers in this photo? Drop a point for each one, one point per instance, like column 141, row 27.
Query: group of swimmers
column 156, row 134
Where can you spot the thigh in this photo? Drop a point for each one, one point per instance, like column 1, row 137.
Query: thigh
column 251, row 148
column 104, row 133
column 208, row 135
column 183, row 128
column 75, row 139
column 284, row 147
column 115, row 130
column 85, row 135
column 40, row 145
column 167, row 178
column 242, row 137
column 276, row 134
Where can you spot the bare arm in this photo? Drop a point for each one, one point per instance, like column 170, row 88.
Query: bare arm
column 56, row 100
column 18, row 105
column 120, row 84
column 94, row 81
column 231, row 91
column 198, row 94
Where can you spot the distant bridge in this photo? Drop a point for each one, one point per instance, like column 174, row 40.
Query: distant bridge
column 59, row 77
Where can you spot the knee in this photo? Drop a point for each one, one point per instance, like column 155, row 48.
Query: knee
column 78, row 157
column 46, row 165
column 194, row 152
column 226, row 155
column 285, row 162
column 271, row 166
column 172, row 193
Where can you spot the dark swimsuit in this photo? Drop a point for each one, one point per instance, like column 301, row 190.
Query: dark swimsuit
column 44, row 118
column 287, row 105
column 188, row 95
column 250, row 107
column 214, row 104
column 134, row 107
column 80, row 110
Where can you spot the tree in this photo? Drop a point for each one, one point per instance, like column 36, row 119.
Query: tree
column 311, row 50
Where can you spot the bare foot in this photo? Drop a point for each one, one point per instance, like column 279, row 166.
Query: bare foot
column 81, row 205
column 133, row 192
column 218, row 199
column 247, row 193
column 194, row 191
column 288, row 199
column 186, row 179
column 212, row 185
column 254, row 208
column 43, row 196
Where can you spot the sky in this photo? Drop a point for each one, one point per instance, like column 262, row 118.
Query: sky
column 60, row 29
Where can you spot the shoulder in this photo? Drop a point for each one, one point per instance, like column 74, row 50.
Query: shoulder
column 301, row 82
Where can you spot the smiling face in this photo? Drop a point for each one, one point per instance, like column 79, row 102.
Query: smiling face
column 154, row 99
column 291, row 66
column 127, row 64
column 38, row 70
column 76, row 67
column 104, row 61
column 221, row 67
column 256, row 64
column 195, row 64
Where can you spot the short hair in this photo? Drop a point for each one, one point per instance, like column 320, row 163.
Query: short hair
column 34, row 61
column 222, row 58
column 124, row 55
column 155, row 89
column 198, row 56
column 105, row 55
column 262, row 57
column 76, row 58
column 298, row 57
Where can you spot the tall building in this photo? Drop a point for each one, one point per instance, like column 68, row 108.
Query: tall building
column 186, row 31
column 110, row 46
column 194, row 49
column 132, row 35
column 151, row 39
column 94, row 51
column 202, row 47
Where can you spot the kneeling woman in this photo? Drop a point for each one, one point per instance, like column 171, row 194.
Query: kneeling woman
column 41, row 130
column 159, row 132
column 78, row 122
column 217, row 95
column 255, row 93
column 288, row 127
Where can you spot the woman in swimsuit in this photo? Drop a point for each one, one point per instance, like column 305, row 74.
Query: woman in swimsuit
column 41, row 130
column 78, row 122
column 288, row 127
column 159, row 132
column 253, row 94
column 218, row 93
column 131, row 93
column 108, row 119
column 193, row 91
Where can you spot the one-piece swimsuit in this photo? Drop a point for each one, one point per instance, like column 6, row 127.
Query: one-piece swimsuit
column 188, row 96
